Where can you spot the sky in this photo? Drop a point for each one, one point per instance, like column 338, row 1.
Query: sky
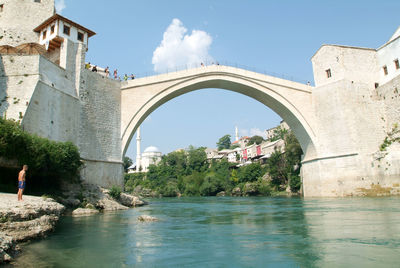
column 145, row 37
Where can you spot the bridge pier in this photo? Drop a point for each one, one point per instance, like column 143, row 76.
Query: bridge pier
column 351, row 175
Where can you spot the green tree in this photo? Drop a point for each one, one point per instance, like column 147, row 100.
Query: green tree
column 250, row 172
column 127, row 163
column 293, row 153
column 256, row 139
column 224, row 142
column 196, row 159
column 277, row 170
column 279, row 134
column 177, row 161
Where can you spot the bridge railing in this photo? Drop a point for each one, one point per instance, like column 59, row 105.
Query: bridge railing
column 223, row 63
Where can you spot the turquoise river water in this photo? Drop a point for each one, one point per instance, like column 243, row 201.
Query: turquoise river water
column 229, row 232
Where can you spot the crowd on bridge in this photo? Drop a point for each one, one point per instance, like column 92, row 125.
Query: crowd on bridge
column 106, row 72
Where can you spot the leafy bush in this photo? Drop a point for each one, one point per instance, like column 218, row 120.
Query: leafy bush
column 170, row 189
column 115, row 192
column 250, row 172
column 211, row 186
column 294, row 183
column 49, row 161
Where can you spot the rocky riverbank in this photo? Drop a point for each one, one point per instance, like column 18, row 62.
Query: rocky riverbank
column 25, row 220
column 35, row 217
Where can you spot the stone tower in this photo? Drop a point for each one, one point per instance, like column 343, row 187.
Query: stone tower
column 236, row 134
column 18, row 18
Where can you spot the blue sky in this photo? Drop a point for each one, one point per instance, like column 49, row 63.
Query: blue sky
column 275, row 36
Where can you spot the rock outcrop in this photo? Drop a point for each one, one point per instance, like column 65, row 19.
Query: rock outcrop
column 7, row 248
column 84, row 212
column 147, row 218
column 130, row 200
column 236, row 191
column 24, row 220
column 84, row 194
column 223, row 193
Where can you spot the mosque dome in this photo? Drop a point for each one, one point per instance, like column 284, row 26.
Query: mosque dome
column 152, row 149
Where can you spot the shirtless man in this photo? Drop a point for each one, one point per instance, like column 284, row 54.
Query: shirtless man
column 21, row 181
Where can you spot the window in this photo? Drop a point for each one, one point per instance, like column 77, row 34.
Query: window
column 44, row 34
column 385, row 70
column 37, row 1
column 328, row 73
column 396, row 63
column 66, row 29
column 52, row 29
column 80, row 36
column 1, row 7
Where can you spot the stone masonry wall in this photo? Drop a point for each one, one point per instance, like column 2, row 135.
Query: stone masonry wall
column 100, row 129
column 39, row 94
column 42, row 95
column 100, row 116
column 350, row 161
column 14, row 30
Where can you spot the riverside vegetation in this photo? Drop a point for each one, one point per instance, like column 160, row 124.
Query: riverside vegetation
column 53, row 172
column 49, row 162
column 188, row 173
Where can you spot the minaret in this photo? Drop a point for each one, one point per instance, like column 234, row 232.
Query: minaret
column 236, row 134
column 138, row 154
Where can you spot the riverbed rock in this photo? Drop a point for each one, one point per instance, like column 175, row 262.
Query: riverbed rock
column 147, row 218
column 70, row 202
column 223, row 193
column 130, row 200
column 250, row 189
column 84, row 212
column 7, row 248
column 236, row 191
column 97, row 197
column 24, row 220
column 27, row 230
column 107, row 204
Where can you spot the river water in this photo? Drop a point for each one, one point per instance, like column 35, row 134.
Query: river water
column 229, row 232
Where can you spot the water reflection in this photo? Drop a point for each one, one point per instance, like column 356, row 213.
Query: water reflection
column 220, row 232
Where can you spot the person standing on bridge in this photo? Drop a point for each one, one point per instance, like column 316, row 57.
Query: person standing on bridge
column 21, row 181
column 107, row 71
column 115, row 74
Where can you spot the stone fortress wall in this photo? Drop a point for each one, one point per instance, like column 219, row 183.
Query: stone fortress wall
column 62, row 102
column 19, row 17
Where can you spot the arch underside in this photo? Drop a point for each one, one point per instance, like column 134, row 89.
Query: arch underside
column 269, row 95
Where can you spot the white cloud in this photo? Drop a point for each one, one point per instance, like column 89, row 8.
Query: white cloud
column 252, row 132
column 60, row 5
column 179, row 49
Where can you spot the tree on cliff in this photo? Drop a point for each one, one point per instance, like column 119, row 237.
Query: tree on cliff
column 224, row 142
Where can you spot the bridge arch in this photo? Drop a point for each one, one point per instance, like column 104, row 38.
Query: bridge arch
column 291, row 101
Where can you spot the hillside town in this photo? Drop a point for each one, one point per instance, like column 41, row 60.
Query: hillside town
column 242, row 151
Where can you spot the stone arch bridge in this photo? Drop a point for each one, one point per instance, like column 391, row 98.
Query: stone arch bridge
column 340, row 124
column 334, row 123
